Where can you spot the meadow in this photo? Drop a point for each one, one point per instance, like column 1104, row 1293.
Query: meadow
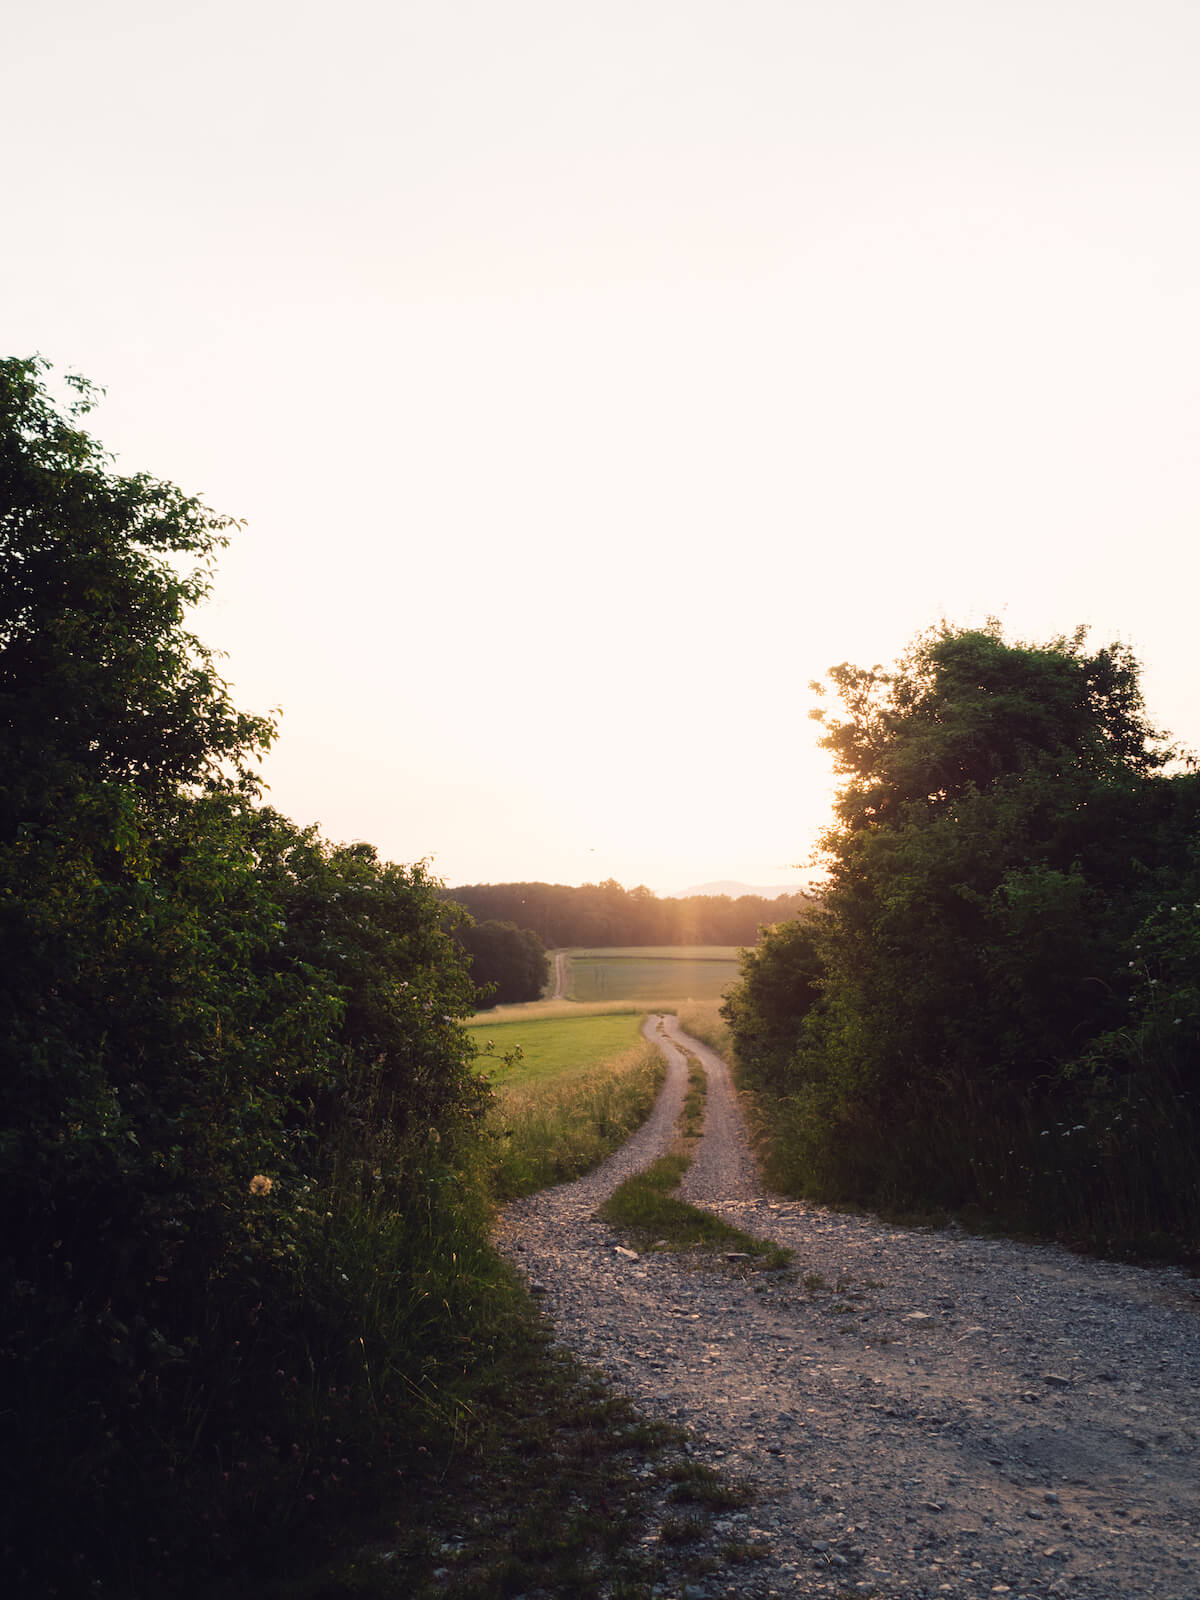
column 552, row 1045
column 572, row 1089
column 652, row 972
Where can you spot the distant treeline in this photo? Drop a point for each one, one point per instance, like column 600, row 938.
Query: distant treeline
column 607, row 914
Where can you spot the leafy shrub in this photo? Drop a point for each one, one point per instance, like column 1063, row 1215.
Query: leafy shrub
column 241, row 1256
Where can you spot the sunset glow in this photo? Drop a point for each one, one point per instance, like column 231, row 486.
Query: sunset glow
column 591, row 378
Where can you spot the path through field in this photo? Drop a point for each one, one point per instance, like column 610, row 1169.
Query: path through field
column 923, row 1413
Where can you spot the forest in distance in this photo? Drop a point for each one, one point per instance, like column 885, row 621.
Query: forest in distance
column 596, row 914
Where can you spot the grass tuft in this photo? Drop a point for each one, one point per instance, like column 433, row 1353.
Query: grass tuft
column 695, row 1483
column 645, row 1211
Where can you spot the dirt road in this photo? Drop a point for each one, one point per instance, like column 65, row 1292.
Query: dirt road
column 561, row 974
column 923, row 1413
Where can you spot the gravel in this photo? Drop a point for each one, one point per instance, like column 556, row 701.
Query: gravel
column 921, row 1412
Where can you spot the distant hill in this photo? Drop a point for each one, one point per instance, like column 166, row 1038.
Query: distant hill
column 735, row 890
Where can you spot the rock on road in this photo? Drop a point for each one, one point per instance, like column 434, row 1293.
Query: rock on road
column 921, row 1412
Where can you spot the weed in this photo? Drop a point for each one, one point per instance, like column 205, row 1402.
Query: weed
column 814, row 1281
column 695, row 1483
column 692, row 1117
column 737, row 1552
column 703, row 1020
column 548, row 1131
column 681, row 1530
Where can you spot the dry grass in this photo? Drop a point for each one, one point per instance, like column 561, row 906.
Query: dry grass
column 536, row 1010
column 703, row 1020
column 553, row 1129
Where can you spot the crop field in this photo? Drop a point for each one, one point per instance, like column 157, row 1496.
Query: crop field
column 557, row 1046
column 652, row 972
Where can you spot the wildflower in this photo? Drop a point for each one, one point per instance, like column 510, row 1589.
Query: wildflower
column 260, row 1184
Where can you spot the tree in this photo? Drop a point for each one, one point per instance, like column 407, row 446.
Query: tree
column 508, row 964
column 1003, row 827
column 779, row 985
column 99, row 679
column 233, row 1067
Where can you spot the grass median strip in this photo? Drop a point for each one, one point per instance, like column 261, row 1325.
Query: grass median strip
column 646, row 1210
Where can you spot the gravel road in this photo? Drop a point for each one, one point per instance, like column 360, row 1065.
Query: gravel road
column 921, row 1412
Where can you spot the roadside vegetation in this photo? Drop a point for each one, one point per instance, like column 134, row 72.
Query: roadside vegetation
column 706, row 1021
column 572, row 1091
column 994, row 1010
column 251, row 1324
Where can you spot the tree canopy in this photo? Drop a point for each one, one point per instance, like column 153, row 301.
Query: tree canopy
column 1006, row 825
column 508, row 964
column 229, row 1047
column 608, row 914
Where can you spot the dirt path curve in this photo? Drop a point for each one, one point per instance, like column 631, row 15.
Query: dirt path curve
column 561, row 976
column 923, row 1413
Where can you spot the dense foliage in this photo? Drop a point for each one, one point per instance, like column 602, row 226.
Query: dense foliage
column 597, row 914
column 508, row 964
column 996, row 1003
column 237, row 1255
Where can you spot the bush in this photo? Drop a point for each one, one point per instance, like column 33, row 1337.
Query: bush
column 242, row 1256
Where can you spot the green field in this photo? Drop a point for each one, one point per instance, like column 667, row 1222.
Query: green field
column 581, row 1087
column 557, row 1046
column 652, row 972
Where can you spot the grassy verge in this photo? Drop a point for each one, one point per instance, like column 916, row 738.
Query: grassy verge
column 553, row 1486
column 549, row 1010
column 646, row 1212
column 573, row 1090
column 550, row 1131
column 541, row 1480
column 703, row 1020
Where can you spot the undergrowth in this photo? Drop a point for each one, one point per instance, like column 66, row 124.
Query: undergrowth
column 550, row 1483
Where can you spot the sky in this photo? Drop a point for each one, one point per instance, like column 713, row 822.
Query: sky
column 591, row 377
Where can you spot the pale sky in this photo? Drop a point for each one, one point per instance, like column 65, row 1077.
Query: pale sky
column 592, row 376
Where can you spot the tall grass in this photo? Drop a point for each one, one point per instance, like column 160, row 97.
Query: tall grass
column 552, row 1130
column 703, row 1020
